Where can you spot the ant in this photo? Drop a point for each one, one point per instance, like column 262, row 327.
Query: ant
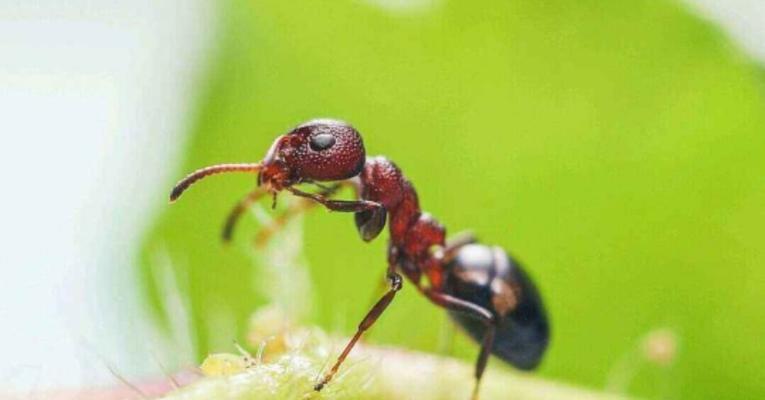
column 482, row 287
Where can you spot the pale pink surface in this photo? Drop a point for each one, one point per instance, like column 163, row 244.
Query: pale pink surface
column 149, row 389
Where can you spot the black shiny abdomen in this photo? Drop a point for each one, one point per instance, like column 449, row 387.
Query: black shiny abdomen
column 523, row 332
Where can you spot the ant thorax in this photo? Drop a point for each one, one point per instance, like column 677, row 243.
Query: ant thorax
column 412, row 232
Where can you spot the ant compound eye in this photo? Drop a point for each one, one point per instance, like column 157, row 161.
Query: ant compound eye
column 322, row 141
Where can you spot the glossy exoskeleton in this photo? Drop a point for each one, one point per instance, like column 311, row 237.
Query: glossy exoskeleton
column 484, row 289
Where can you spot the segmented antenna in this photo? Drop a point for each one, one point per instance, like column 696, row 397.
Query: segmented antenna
column 193, row 177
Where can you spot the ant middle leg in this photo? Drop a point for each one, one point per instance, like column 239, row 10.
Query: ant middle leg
column 368, row 321
column 381, row 287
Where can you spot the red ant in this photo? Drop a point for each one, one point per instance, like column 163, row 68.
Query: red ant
column 484, row 289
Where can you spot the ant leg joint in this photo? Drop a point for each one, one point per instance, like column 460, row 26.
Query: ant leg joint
column 395, row 282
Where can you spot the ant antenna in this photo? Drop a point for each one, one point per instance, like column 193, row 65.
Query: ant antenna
column 193, row 177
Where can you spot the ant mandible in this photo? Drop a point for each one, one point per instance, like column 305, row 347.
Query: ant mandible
column 483, row 288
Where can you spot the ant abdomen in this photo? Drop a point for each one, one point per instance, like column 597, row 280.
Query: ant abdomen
column 489, row 277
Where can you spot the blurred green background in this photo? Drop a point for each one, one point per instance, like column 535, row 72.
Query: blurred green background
column 616, row 148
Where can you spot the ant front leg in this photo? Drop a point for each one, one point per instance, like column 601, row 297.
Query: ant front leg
column 452, row 303
column 369, row 319
column 337, row 205
column 369, row 216
column 239, row 209
column 299, row 207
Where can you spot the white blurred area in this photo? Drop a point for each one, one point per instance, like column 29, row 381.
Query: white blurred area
column 742, row 20
column 94, row 98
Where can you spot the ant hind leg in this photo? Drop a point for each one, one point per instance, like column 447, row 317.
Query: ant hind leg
column 456, row 242
column 483, row 358
column 479, row 313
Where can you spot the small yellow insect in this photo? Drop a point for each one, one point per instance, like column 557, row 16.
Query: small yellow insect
column 225, row 364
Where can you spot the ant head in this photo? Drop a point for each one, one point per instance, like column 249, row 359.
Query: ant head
column 318, row 150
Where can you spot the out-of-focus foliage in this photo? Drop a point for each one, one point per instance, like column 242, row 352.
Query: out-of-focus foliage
column 616, row 148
